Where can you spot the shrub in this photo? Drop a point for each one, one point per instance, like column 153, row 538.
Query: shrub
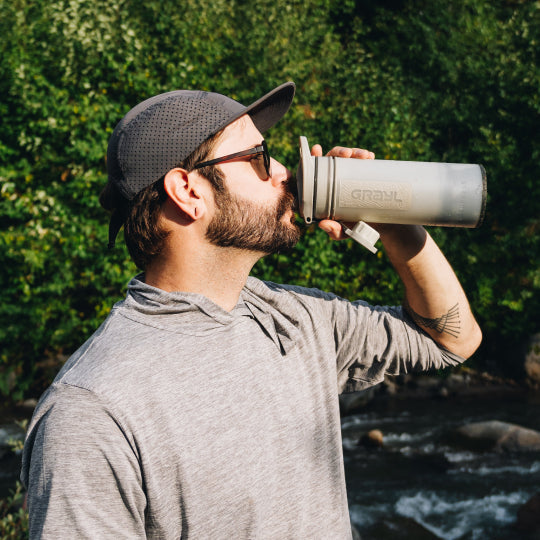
column 441, row 81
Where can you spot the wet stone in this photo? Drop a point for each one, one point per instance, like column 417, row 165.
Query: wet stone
column 372, row 439
column 528, row 516
column 498, row 436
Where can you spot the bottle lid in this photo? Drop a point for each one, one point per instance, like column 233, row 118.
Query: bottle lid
column 363, row 234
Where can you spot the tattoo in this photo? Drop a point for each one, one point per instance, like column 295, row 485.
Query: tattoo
column 449, row 323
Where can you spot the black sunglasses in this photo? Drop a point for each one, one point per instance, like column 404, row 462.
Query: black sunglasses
column 258, row 152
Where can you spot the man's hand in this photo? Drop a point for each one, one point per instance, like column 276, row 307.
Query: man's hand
column 333, row 228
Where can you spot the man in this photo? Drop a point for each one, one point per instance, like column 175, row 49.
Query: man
column 206, row 405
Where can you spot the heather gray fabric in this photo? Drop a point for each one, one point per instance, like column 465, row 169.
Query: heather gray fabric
column 178, row 419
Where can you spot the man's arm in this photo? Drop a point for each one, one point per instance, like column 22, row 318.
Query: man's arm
column 434, row 297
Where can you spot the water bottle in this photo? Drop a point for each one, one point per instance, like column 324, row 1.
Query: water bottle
column 386, row 191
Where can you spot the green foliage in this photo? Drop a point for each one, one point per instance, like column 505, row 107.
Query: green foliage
column 13, row 512
column 441, row 81
column 472, row 67
column 13, row 515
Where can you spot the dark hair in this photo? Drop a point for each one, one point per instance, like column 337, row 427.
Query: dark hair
column 143, row 233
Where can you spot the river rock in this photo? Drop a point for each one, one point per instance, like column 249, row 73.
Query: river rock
column 532, row 362
column 11, row 436
column 372, row 439
column 498, row 436
column 398, row 528
column 355, row 401
column 528, row 516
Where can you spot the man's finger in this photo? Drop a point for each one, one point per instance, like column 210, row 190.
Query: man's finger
column 356, row 153
column 332, row 228
column 316, row 150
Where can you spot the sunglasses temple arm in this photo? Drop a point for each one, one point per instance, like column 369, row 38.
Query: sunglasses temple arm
column 256, row 150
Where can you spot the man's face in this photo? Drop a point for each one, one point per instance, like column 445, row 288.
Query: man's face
column 243, row 224
column 252, row 213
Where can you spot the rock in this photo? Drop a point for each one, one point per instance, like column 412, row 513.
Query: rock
column 390, row 387
column 426, row 382
column 372, row 439
column 355, row 401
column 528, row 516
column 30, row 403
column 399, row 528
column 532, row 362
column 457, row 381
column 443, row 392
column 355, row 533
column 428, row 464
column 10, row 435
column 496, row 435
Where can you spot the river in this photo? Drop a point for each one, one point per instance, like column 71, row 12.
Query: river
column 418, row 486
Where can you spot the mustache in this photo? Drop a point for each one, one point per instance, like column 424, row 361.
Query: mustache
column 291, row 186
column 291, row 193
column 286, row 202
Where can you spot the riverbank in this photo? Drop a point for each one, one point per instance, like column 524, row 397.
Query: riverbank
column 416, row 484
column 462, row 383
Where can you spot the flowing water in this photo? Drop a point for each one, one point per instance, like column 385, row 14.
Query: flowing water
column 419, row 486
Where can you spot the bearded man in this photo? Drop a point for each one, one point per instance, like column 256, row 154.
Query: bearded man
column 206, row 404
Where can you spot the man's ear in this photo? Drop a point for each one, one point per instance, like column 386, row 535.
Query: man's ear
column 183, row 190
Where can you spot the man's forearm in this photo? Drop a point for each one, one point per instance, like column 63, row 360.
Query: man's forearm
column 434, row 297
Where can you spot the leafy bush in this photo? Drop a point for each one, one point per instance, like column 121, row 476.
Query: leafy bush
column 13, row 516
column 441, row 81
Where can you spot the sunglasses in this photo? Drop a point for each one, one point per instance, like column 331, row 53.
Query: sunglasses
column 261, row 159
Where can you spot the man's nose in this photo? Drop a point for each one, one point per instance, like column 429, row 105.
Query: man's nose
column 280, row 173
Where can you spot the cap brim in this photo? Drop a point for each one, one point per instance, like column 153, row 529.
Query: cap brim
column 272, row 107
column 268, row 110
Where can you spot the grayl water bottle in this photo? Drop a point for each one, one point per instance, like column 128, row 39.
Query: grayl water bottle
column 385, row 191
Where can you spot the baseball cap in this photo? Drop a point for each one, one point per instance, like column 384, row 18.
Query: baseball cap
column 162, row 131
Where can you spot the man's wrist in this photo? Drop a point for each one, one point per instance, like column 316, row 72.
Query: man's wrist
column 406, row 241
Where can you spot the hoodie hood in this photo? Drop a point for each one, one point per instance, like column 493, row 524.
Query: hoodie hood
column 195, row 314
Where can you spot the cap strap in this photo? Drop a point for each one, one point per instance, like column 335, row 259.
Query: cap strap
column 115, row 225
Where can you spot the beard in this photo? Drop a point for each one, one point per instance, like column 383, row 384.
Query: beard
column 242, row 224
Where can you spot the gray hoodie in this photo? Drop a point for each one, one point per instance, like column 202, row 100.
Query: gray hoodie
column 178, row 419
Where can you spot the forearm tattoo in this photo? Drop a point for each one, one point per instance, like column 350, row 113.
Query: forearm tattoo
column 449, row 323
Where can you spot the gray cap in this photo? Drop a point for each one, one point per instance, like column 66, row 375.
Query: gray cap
column 161, row 132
